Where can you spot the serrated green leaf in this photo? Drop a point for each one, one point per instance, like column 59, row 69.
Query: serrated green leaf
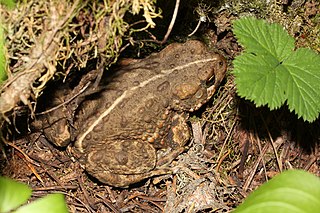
column 302, row 83
column 257, row 79
column 53, row 203
column 269, row 72
column 12, row 194
column 259, row 37
column 292, row 191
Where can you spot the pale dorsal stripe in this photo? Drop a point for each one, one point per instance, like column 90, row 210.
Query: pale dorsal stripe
column 142, row 84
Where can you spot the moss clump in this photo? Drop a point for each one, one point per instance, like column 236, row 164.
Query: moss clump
column 300, row 18
column 50, row 37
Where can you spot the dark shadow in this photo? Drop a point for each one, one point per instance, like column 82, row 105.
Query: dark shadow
column 186, row 21
column 280, row 122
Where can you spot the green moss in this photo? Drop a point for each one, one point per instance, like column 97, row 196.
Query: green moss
column 300, row 18
column 257, row 8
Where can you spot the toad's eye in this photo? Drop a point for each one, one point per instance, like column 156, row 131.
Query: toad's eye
column 221, row 63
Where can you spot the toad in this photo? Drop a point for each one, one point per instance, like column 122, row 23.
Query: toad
column 142, row 109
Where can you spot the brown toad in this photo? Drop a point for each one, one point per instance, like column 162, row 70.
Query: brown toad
column 143, row 108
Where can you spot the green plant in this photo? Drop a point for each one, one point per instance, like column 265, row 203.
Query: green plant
column 293, row 191
column 14, row 194
column 3, row 62
column 8, row 3
column 271, row 72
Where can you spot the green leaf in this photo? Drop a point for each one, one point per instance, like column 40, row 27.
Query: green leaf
column 259, row 37
column 12, row 194
column 270, row 72
column 3, row 71
column 293, row 191
column 53, row 203
column 258, row 79
column 302, row 83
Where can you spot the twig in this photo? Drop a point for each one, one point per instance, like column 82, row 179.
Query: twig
column 243, row 158
column 85, row 193
column 311, row 161
column 173, row 20
column 196, row 29
column 24, row 154
column 262, row 159
column 108, row 204
column 222, row 159
column 80, row 201
column 29, row 161
column 50, row 188
column 272, row 144
column 253, row 171
column 202, row 11
column 65, row 102
column 227, row 138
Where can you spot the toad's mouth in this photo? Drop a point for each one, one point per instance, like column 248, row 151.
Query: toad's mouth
column 211, row 81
